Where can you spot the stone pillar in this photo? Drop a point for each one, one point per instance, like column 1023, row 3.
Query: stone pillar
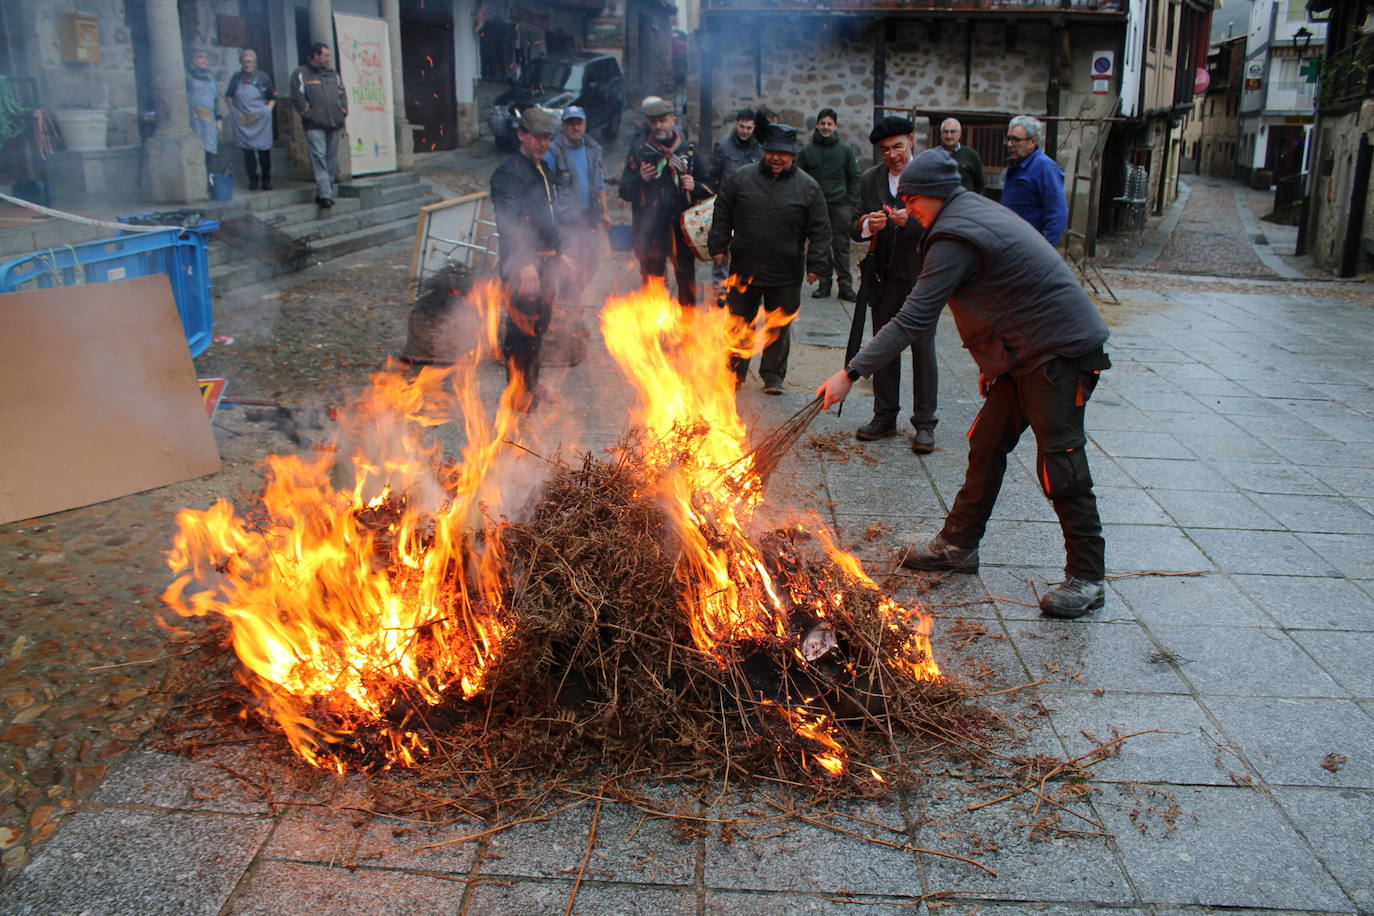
column 175, row 155
column 322, row 23
column 405, row 139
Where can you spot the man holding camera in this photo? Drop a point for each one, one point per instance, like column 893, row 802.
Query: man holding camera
column 663, row 177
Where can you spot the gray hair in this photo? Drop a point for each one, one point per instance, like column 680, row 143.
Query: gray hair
column 1033, row 128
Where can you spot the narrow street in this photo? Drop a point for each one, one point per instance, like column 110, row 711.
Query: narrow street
column 1230, row 446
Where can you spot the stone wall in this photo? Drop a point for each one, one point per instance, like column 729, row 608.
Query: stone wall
column 805, row 64
column 1331, row 195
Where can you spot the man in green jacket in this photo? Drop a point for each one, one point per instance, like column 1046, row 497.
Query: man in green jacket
column 834, row 165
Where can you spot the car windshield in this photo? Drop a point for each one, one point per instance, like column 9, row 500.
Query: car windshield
column 548, row 73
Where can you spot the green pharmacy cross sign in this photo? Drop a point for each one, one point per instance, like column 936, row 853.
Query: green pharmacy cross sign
column 1310, row 68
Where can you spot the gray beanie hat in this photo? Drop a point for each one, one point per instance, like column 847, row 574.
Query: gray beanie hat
column 933, row 173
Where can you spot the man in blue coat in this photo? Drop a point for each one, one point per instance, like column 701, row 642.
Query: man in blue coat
column 1033, row 187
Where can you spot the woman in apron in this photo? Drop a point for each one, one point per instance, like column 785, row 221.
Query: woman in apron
column 203, row 98
column 251, row 99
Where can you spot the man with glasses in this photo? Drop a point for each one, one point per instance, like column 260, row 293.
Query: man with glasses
column 1037, row 339
column 1033, row 186
column 892, row 264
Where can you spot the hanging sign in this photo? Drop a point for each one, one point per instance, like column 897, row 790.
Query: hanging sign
column 364, row 56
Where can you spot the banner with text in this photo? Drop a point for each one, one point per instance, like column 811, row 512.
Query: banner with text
column 364, row 56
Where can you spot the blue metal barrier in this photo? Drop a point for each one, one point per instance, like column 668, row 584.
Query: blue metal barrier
column 180, row 254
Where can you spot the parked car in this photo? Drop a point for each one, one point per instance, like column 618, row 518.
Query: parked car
column 592, row 81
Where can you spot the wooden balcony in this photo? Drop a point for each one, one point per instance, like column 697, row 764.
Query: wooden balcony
column 1107, row 9
column 1346, row 79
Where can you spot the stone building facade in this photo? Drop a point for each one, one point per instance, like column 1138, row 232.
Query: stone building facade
column 981, row 70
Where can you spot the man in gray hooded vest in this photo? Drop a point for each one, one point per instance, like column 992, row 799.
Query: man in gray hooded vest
column 1037, row 340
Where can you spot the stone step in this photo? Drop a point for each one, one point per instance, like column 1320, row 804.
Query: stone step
column 367, row 237
column 340, row 225
column 295, row 214
column 392, row 180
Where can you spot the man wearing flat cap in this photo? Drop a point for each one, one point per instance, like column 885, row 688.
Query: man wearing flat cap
column 889, row 269
column 1037, row 340
column 764, row 217
column 531, row 258
column 663, row 177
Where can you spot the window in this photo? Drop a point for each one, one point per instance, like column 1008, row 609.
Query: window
column 1152, row 15
column 1169, row 29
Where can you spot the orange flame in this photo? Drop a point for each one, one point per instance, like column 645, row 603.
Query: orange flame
column 353, row 604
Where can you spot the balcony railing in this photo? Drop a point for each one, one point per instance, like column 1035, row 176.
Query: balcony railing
column 1346, row 77
column 1116, row 7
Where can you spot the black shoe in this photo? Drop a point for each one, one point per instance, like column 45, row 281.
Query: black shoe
column 1073, row 598
column 324, row 203
column 253, row 183
column 847, row 294
column 772, row 387
column 267, row 184
column 874, row 430
column 938, row 555
column 923, row 443
column 822, row 290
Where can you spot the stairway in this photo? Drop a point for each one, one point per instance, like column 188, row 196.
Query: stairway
column 367, row 213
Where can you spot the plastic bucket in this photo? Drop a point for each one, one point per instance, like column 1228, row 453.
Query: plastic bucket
column 221, row 186
column 83, row 130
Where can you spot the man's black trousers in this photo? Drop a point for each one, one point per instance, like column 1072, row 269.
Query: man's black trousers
column 672, row 246
column 839, row 247
column 526, row 321
column 1051, row 400
column 925, row 373
column 745, row 304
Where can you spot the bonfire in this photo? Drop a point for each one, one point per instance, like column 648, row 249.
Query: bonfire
column 392, row 604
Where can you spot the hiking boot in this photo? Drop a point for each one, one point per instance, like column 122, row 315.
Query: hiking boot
column 822, row 290
column 923, row 443
column 847, row 293
column 874, row 430
column 938, row 555
column 1073, row 598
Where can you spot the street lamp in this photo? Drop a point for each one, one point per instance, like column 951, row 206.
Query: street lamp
column 1304, row 37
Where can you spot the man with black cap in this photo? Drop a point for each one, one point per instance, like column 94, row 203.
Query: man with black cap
column 1037, row 339
column 522, row 194
column 663, row 177
column 764, row 217
column 890, row 268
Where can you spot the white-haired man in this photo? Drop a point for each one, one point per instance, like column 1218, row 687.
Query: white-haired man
column 966, row 157
column 1033, row 187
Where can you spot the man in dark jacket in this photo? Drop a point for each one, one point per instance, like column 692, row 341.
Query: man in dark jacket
column 318, row 94
column 890, row 268
column 522, row 194
column 739, row 149
column 1037, row 339
column 764, row 218
column 664, row 176
column 834, row 165
column 966, row 157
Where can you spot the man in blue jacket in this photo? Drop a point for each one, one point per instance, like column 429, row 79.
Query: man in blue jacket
column 1033, row 187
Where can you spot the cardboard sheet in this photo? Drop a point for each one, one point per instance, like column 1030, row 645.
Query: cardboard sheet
column 98, row 397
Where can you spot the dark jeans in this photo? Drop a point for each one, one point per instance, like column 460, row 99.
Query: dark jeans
column 745, row 303
column 654, row 258
column 526, row 321
column 1051, row 400
column 839, row 247
column 925, row 373
column 253, row 159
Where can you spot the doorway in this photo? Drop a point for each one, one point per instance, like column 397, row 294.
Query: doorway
column 428, row 73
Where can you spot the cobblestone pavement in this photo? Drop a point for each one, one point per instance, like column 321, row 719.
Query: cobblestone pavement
column 1231, row 438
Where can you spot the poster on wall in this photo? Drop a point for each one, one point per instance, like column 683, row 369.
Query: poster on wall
column 364, row 56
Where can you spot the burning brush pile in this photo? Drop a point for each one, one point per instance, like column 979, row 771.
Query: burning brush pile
column 391, row 607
